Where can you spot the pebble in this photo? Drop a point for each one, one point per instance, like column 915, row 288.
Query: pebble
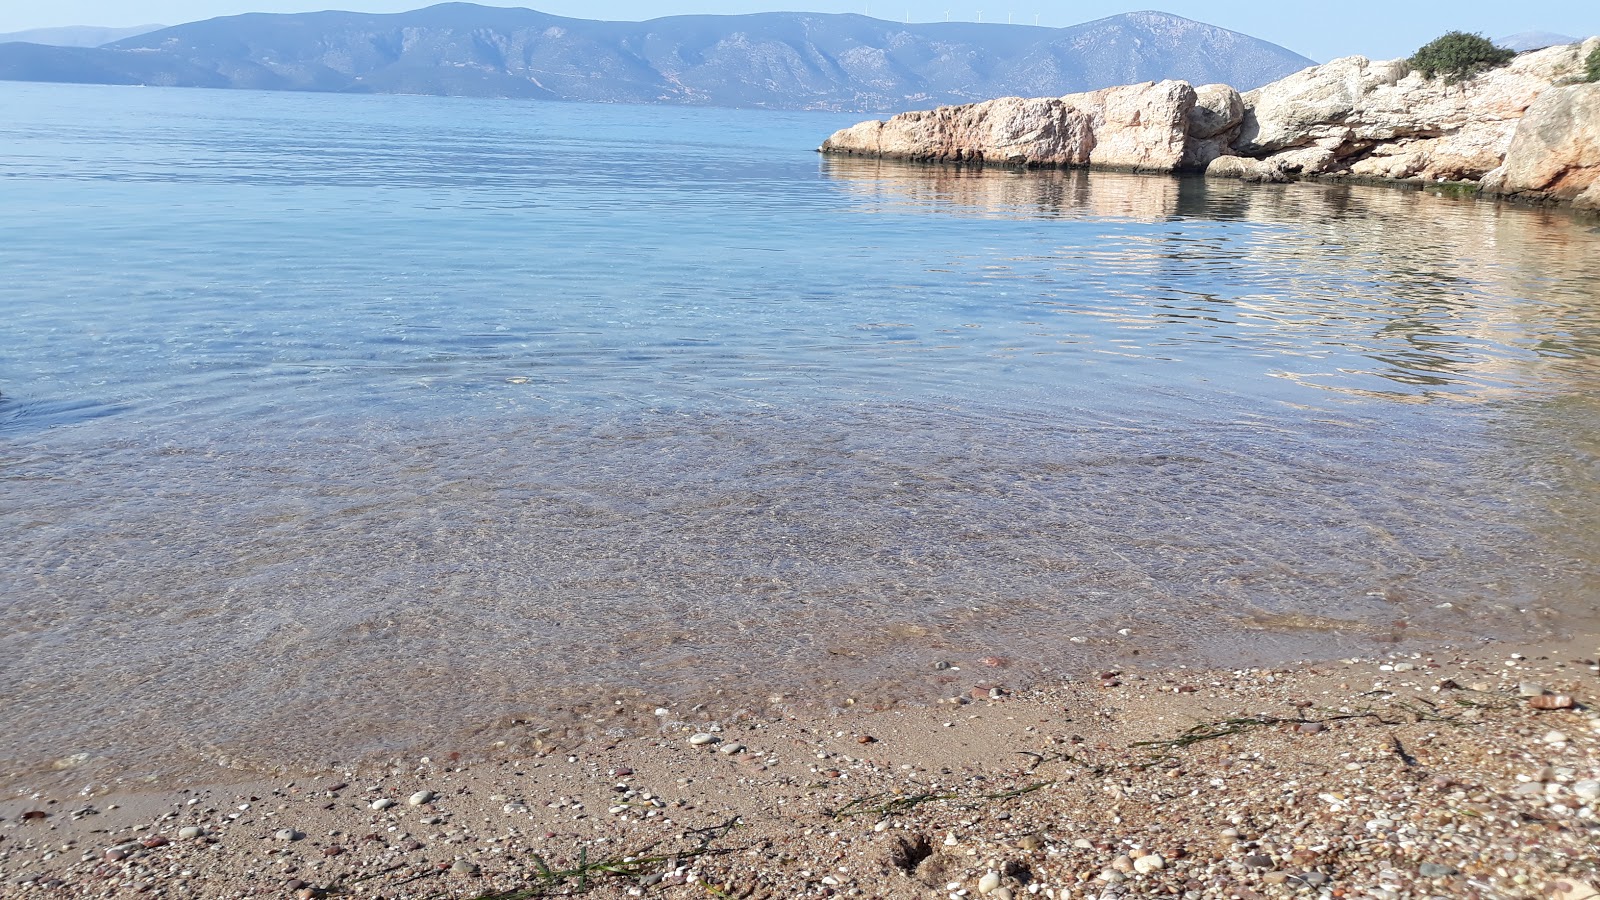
column 1030, row 843
column 190, row 832
column 730, row 749
column 1530, row 689
column 702, row 739
column 463, row 867
column 1556, row 737
column 1436, row 870
column 1551, row 701
column 1587, row 789
column 1144, row 865
column 288, row 834
column 382, row 804
column 1001, row 893
column 514, row 808
column 422, row 797
column 1257, row 861
column 988, row 882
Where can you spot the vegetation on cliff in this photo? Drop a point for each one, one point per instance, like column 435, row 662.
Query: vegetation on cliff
column 1459, row 56
column 1593, row 64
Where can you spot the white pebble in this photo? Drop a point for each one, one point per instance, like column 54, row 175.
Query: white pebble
column 190, row 832
column 422, row 797
column 1556, row 737
column 988, row 882
column 382, row 803
column 1144, row 865
column 950, row 839
column 701, row 739
column 1587, row 789
column 288, row 834
column 731, row 749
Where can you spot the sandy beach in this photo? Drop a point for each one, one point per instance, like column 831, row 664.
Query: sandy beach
column 1458, row 773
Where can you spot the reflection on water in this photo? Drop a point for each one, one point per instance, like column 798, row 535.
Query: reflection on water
column 439, row 445
column 1443, row 298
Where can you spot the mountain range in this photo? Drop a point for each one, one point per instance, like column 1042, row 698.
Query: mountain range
column 781, row 60
column 77, row 35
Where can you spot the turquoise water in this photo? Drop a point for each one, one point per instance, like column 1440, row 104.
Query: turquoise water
column 334, row 427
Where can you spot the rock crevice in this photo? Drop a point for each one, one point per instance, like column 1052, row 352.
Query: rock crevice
column 1530, row 129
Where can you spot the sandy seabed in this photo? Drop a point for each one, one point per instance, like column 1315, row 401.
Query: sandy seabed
column 1407, row 776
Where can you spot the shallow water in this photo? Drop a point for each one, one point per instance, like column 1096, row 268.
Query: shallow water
column 334, row 427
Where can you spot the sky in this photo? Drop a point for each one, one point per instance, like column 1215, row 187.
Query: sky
column 1380, row 29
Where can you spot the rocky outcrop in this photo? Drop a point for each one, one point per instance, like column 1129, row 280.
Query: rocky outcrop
column 1528, row 129
column 1555, row 154
column 1370, row 119
column 1140, row 127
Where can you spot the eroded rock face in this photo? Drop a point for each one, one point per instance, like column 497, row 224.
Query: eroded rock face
column 1141, row 126
column 1555, row 154
column 1379, row 119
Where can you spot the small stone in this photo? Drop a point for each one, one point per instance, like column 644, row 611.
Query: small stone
column 1556, row 737
column 288, row 834
column 421, row 798
column 190, row 832
column 1275, row 877
column 1031, row 843
column 950, row 839
column 730, row 749
column 1551, row 701
column 988, row 882
column 1083, row 844
column 1530, row 689
column 1257, row 861
column 702, row 739
column 514, row 808
column 382, row 804
column 1436, row 870
column 1144, row 865
column 154, row 841
column 1122, row 864
column 463, row 867
column 1315, row 879
column 1310, row 727
column 1001, row 893
column 1588, row 790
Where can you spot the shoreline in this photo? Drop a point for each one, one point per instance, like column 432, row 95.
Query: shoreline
column 1455, row 190
column 1406, row 775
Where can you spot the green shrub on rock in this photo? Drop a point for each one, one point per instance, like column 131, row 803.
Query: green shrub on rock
column 1458, row 56
column 1593, row 63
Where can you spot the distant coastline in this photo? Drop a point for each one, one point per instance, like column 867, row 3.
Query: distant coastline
column 825, row 62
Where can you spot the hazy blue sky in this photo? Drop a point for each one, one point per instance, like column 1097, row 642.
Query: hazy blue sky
column 1376, row 28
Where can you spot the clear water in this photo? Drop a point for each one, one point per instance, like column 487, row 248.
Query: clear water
column 337, row 427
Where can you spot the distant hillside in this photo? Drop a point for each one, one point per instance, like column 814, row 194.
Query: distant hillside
column 77, row 35
column 1535, row 40
column 787, row 60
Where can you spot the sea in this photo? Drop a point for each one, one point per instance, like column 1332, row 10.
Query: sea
column 346, row 429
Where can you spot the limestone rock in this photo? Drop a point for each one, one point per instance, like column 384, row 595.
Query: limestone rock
column 1555, row 153
column 1246, row 169
column 1142, row 127
column 1379, row 119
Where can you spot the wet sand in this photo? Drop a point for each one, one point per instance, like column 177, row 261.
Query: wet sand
column 1411, row 775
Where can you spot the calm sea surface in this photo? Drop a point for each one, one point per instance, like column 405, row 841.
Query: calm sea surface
column 333, row 427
